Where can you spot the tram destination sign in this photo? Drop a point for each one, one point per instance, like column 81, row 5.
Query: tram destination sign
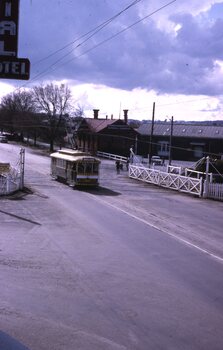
column 11, row 67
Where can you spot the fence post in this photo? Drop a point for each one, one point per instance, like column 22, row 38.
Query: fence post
column 7, row 184
column 206, row 182
column 22, row 167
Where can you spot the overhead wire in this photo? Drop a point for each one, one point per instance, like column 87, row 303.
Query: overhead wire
column 92, row 32
column 175, row 103
column 41, row 74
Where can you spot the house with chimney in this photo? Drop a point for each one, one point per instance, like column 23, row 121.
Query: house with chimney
column 105, row 134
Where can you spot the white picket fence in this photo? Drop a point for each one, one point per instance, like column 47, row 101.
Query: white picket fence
column 10, row 182
column 214, row 191
column 12, row 178
column 173, row 181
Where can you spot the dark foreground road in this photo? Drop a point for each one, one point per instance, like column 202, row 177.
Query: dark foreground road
column 78, row 273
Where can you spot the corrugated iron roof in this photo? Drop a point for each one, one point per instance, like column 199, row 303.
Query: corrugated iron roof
column 183, row 130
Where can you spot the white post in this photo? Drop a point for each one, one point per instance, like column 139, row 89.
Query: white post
column 22, row 167
column 206, row 182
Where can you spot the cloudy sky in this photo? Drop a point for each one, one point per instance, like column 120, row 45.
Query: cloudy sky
column 128, row 54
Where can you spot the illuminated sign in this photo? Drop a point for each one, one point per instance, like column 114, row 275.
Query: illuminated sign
column 11, row 67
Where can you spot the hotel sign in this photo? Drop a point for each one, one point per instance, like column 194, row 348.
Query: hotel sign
column 11, row 67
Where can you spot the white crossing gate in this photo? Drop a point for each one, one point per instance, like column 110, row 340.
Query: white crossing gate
column 173, row 181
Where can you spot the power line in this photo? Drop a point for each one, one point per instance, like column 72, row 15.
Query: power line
column 92, row 32
column 100, row 43
column 176, row 103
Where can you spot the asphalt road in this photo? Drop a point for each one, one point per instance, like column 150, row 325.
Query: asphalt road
column 91, row 270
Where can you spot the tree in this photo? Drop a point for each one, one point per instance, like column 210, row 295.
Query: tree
column 17, row 111
column 54, row 101
column 20, row 101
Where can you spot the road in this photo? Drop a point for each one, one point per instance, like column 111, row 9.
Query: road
column 91, row 270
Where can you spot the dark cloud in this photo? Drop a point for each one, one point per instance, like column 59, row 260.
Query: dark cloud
column 143, row 56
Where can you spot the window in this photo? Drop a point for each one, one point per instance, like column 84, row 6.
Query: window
column 95, row 168
column 163, row 148
column 80, row 168
column 88, row 168
column 61, row 163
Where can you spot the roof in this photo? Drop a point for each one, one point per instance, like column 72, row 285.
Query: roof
column 72, row 152
column 98, row 125
column 183, row 130
column 73, row 155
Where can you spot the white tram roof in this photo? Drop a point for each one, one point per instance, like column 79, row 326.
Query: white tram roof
column 73, row 155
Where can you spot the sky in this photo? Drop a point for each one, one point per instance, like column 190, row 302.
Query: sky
column 127, row 54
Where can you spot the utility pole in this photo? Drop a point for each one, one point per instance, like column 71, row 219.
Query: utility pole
column 170, row 144
column 136, row 144
column 151, row 134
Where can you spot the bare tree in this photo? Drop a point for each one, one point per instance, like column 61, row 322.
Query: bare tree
column 17, row 111
column 78, row 112
column 20, row 101
column 54, row 101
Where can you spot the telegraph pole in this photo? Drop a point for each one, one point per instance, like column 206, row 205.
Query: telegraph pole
column 170, row 145
column 151, row 134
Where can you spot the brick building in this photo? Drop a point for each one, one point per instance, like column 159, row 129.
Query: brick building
column 106, row 135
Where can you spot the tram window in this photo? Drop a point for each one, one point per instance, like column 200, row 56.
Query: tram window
column 61, row 163
column 80, row 168
column 95, row 168
column 88, row 168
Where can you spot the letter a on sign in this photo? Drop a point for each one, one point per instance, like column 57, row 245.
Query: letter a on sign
column 9, row 22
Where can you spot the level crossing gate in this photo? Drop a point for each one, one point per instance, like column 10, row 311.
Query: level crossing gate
column 173, row 181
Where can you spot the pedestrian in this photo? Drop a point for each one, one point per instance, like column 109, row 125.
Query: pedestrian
column 127, row 164
column 117, row 163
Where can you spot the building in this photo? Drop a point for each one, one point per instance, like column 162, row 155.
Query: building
column 106, row 135
column 188, row 141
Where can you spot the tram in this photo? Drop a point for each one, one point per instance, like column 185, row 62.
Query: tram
column 74, row 167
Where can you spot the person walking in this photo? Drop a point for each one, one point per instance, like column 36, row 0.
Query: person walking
column 127, row 164
column 117, row 163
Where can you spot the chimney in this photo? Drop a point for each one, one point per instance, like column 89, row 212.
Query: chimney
column 96, row 113
column 125, row 115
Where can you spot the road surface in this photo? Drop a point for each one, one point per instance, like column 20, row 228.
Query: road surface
column 84, row 270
